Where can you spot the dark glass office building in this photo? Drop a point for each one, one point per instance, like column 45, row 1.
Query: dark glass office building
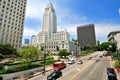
column 86, row 35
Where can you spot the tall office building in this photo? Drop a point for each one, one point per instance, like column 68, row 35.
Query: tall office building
column 12, row 14
column 26, row 41
column 86, row 35
column 49, row 38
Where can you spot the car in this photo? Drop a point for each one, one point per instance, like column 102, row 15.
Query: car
column 89, row 58
column 100, row 56
column 80, row 62
column 111, row 74
column 54, row 75
column 97, row 60
column 112, row 77
column 59, row 65
column 71, row 61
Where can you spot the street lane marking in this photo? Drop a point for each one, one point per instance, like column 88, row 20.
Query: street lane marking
column 82, row 70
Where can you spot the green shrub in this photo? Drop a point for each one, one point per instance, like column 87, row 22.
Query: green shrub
column 3, row 71
column 85, row 53
column 25, row 66
column 117, row 63
column 10, row 70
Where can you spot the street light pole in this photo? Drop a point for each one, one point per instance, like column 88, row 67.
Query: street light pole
column 44, row 62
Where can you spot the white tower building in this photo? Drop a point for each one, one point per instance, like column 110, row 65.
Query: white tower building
column 49, row 38
column 49, row 23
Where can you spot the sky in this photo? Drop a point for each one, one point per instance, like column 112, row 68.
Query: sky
column 104, row 14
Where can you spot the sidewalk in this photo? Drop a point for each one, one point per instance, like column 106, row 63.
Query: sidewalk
column 40, row 72
column 118, row 74
column 26, row 76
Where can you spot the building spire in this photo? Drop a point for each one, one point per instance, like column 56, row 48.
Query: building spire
column 50, row 5
column 49, row 22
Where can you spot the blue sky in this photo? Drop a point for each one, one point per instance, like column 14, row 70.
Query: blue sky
column 104, row 14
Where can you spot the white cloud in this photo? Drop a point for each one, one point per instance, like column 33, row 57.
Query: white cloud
column 101, row 29
column 66, row 19
column 35, row 11
column 29, row 31
column 35, row 8
column 104, row 29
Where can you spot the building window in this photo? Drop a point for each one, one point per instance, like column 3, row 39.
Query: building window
column 0, row 19
column 62, row 45
column 4, row 2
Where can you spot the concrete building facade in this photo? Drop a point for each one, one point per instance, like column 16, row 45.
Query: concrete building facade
column 49, row 39
column 114, row 36
column 12, row 14
column 86, row 35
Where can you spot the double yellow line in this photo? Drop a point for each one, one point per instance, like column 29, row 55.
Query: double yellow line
column 82, row 70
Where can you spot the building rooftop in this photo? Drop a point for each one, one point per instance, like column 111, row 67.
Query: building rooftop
column 83, row 26
column 113, row 32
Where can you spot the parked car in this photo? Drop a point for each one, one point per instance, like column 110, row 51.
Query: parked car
column 54, row 75
column 111, row 74
column 80, row 62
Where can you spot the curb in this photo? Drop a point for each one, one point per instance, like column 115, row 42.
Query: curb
column 47, row 70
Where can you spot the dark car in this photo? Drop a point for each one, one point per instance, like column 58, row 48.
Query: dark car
column 111, row 74
column 54, row 75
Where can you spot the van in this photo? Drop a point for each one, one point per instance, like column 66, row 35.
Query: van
column 59, row 65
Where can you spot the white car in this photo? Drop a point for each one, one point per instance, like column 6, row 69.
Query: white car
column 80, row 62
column 71, row 61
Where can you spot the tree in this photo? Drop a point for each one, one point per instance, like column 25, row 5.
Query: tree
column 108, row 46
column 7, row 51
column 30, row 53
column 89, row 47
column 64, row 53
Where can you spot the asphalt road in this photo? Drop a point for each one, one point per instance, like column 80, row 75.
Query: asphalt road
column 97, row 71
column 89, row 70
